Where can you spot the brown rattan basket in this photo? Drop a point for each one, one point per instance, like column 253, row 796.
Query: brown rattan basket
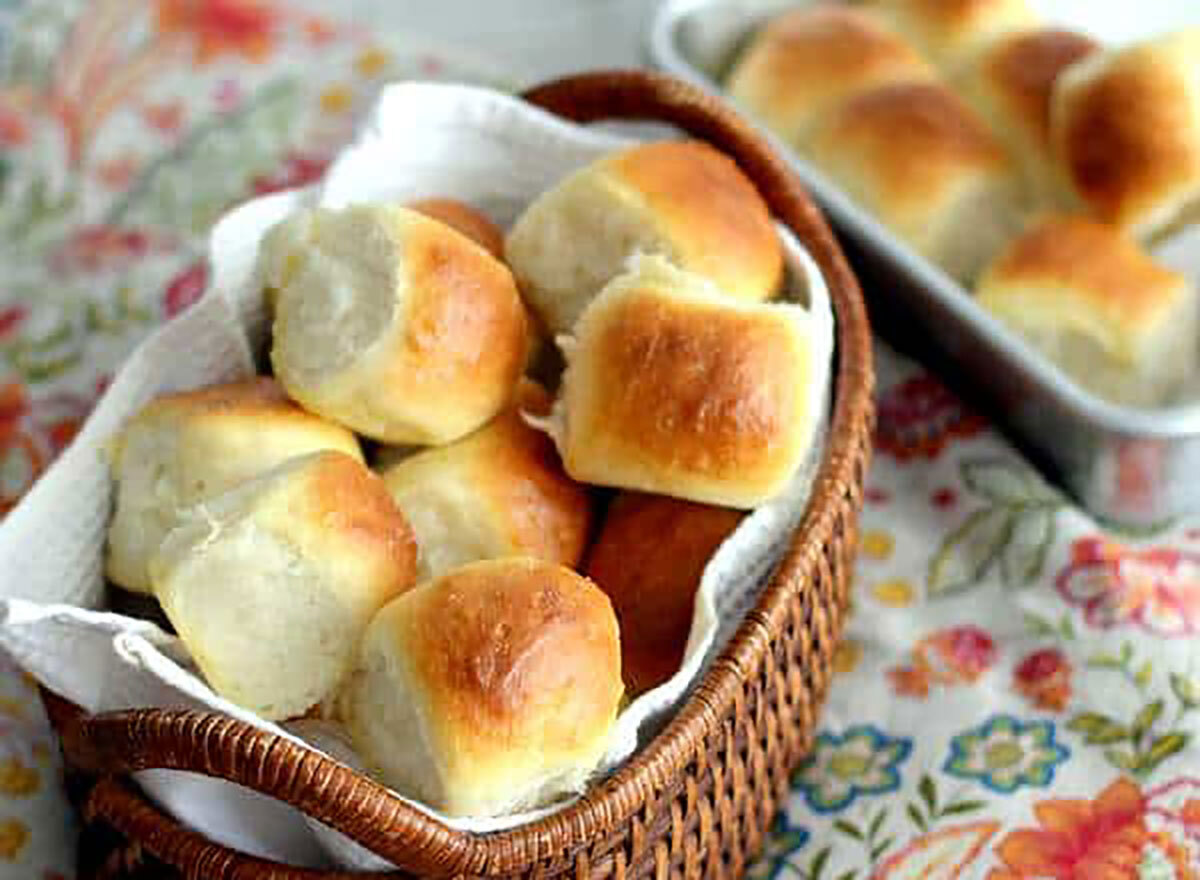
column 697, row 800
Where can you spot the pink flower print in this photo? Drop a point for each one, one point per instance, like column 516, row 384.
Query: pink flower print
column 297, row 170
column 1044, row 678
column 1157, row 588
column 952, row 656
column 185, row 288
column 99, row 249
column 919, row 417
column 11, row 319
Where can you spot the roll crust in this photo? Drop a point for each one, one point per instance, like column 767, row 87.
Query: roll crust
column 951, row 31
column 1125, row 124
column 671, row 388
column 505, row 679
column 648, row 558
column 806, row 61
column 501, row 491
column 916, row 157
column 681, row 199
column 465, row 219
column 1011, row 84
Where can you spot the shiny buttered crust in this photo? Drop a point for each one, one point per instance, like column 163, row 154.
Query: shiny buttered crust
column 271, row 585
column 499, row 492
column 805, row 61
column 1098, row 305
column 672, row 388
column 950, row 31
column 1125, row 125
column 683, row 200
column 493, row 688
column 918, row 158
column 396, row 325
column 1010, row 84
column 648, row 558
column 190, row 445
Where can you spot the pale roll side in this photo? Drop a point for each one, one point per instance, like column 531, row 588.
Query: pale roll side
column 190, row 445
column 398, row 326
column 271, row 585
column 1098, row 306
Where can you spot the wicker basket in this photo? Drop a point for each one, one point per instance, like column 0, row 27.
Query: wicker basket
column 698, row 799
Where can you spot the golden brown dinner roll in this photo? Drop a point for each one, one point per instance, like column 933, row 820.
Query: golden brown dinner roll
column 271, row 585
column 186, row 446
column 1010, row 84
column 492, row 688
column 916, row 157
column 672, row 388
column 648, row 558
column 807, row 60
column 950, row 31
column 1125, row 125
column 397, row 326
column 498, row 492
column 461, row 216
column 1098, row 306
column 681, row 199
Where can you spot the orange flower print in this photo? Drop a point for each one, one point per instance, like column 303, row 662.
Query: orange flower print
column 32, row 433
column 1103, row 839
column 1156, row 588
column 956, row 655
column 217, row 27
column 166, row 117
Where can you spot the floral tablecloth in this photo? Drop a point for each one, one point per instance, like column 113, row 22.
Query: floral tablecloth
column 1019, row 689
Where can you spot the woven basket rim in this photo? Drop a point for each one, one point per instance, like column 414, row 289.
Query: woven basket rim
column 209, row 743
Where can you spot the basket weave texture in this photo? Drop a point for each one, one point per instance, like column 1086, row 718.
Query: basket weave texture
column 697, row 801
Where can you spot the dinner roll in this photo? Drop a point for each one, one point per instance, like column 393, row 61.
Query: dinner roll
column 1098, row 306
column 461, row 216
column 805, row 61
column 186, row 446
column 271, row 585
column 648, row 558
column 950, row 31
column 498, row 492
column 490, row 689
column 916, row 157
column 1125, row 125
column 681, row 199
column 397, row 326
column 672, row 388
column 1010, row 84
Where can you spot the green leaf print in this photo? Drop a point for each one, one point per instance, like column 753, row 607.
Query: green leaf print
column 1007, row 483
column 1186, row 690
column 1013, row 531
column 968, row 551
column 1098, row 729
column 1022, row 558
column 1148, row 743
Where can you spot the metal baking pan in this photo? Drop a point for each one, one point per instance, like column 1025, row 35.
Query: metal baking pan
column 1138, row 468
